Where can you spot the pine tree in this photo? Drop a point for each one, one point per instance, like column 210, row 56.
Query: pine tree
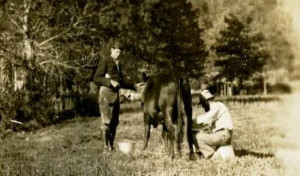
column 239, row 51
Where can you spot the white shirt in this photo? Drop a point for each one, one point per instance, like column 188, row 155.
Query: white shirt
column 218, row 117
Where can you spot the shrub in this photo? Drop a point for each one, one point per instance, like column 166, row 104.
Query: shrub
column 30, row 108
column 279, row 88
column 255, row 88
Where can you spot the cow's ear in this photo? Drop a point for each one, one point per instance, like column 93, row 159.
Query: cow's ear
column 145, row 77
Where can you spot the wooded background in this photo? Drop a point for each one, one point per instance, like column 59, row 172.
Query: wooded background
column 49, row 49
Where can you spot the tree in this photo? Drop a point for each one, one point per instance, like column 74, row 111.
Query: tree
column 162, row 33
column 49, row 40
column 268, row 18
column 239, row 50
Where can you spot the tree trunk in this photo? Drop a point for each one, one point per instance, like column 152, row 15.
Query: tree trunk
column 265, row 86
column 2, row 75
column 28, row 49
column 241, row 86
column 27, row 44
column 229, row 89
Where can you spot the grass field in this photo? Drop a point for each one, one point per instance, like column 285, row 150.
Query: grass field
column 75, row 147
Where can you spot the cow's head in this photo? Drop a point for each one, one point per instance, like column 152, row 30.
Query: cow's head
column 131, row 95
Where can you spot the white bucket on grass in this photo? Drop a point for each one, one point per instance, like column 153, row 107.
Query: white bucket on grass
column 126, row 147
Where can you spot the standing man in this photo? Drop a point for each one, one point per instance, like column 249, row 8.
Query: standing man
column 218, row 118
column 110, row 79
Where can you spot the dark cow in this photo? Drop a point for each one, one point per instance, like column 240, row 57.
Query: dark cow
column 166, row 99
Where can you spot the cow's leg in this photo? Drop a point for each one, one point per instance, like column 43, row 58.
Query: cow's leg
column 178, row 135
column 147, row 127
column 190, row 137
column 195, row 142
column 165, row 137
column 170, row 130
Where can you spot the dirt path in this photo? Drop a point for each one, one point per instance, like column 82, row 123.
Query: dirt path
column 290, row 111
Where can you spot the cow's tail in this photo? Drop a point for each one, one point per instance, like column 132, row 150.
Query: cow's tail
column 179, row 109
column 187, row 102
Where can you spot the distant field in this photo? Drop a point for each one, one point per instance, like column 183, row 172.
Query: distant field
column 75, row 147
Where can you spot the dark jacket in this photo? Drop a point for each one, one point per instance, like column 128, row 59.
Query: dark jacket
column 108, row 66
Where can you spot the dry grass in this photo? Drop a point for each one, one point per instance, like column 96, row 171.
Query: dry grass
column 75, row 148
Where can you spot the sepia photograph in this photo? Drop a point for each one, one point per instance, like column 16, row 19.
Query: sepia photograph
column 149, row 87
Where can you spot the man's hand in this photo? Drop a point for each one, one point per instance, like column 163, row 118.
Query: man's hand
column 115, row 84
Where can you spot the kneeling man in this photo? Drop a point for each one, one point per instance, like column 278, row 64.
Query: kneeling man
column 218, row 118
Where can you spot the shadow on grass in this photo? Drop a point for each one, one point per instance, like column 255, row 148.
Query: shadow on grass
column 243, row 152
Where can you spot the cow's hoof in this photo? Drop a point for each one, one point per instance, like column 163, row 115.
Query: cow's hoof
column 192, row 157
column 142, row 151
column 112, row 149
column 105, row 150
column 199, row 155
column 143, row 154
column 177, row 155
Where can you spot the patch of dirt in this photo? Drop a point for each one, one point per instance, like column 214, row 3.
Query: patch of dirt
column 291, row 160
column 290, row 115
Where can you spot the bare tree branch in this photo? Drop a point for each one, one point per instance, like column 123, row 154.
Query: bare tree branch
column 50, row 39
column 17, row 25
